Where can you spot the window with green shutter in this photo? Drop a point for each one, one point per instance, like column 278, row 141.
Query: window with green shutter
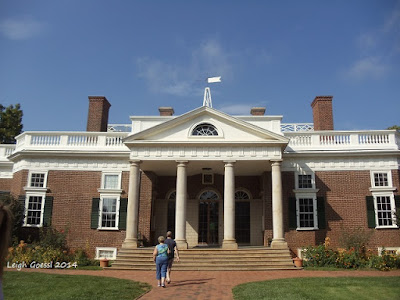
column 94, row 222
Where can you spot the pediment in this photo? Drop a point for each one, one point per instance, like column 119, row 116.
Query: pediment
column 230, row 130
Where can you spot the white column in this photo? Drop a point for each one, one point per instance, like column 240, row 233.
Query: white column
column 278, row 234
column 180, row 213
column 229, row 241
column 131, row 240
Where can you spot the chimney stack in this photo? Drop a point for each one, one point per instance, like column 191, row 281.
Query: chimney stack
column 322, row 113
column 257, row 111
column 166, row 111
column 98, row 114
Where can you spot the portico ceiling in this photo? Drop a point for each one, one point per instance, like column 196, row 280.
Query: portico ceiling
column 242, row 168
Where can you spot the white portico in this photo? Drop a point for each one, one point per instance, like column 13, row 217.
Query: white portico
column 205, row 138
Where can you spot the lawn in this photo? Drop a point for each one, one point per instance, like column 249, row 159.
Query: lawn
column 27, row 286
column 321, row 288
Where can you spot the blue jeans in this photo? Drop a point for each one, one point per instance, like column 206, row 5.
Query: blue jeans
column 161, row 267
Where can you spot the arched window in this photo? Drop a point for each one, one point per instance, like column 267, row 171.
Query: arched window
column 209, row 195
column 205, row 129
column 241, row 195
column 172, row 196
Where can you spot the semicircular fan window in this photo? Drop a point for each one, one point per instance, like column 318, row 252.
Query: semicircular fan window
column 205, row 129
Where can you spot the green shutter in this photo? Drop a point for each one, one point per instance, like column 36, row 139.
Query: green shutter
column 21, row 200
column 123, row 208
column 292, row 213
column 397, row 203
column 321, row 212
column 48, row 210
column 370, row 211
column 94, row 222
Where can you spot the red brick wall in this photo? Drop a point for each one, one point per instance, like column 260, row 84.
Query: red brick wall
column 322, row 113
column 19, row 182
column 147, row 197
column 98, row 114
column 73, row 192
column 5, row 184
column 345, row 209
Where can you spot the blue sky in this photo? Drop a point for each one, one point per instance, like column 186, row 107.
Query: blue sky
column 145, row 54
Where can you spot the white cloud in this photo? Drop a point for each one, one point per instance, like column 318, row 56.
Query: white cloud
column 369, row 67
column 186, row 77
column 21, row 28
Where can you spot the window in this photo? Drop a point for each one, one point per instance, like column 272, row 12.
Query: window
column 381, row 179
column 385, row 212
column 305, row 181
column 171, row 211
column 306, row 213
column 37, row 180
column 205, row 129
column 106, row 253
column 209, row 195
column 111, row 181
column 108, row 212
column 241, row 195
column 208, row 178
column 34, row 210
column 389, row 250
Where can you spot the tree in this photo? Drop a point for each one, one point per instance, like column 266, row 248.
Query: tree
column 10, row 123
column 396, row 127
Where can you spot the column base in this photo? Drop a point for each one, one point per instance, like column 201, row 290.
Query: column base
column 279, row 244
column 130, row 244
column 229, row 244
column 181, row 244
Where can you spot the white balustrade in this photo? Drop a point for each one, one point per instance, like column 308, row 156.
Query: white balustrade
column 343, row 140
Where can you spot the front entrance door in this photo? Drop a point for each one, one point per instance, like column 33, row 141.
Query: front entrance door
column 208, row 222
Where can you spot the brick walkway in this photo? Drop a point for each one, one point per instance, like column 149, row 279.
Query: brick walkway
column 208, row 284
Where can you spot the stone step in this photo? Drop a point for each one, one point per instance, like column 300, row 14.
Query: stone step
column 209, row 259
column 210, row 268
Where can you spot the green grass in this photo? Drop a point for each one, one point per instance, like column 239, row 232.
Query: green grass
column 27, row 286
column 321, row 288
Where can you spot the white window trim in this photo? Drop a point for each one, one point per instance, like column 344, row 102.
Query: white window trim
column 33, row 194
column 312, row 181
column 203, row 181
column 28, row 186
column 315, row 212
column 379, row 188
column 397, row 249
column 217, row 128
column 98, row 249
column 392, row 206
column 103, row 190
column 102, row 196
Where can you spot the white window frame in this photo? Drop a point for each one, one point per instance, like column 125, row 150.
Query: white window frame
column 298, row 189
column 389, row 178
column 34, row 188
column 33, row 194
column 102, row 196
column 217, row 128
column 392, row 207
column 315, row 210
column 113, row 249
column 397, row 249
column 102, row 188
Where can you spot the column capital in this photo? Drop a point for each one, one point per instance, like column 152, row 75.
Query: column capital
column 276, row 162
column 134, row 162
column 182, row 163
column 229, row 162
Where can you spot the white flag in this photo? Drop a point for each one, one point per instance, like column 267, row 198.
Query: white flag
column 214, row 79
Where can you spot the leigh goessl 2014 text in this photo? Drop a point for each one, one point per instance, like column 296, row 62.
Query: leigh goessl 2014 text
column 38, row 265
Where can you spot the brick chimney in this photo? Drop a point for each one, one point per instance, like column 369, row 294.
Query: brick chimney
column 322, row 113
column 166, row 111
column 257, row 111
column 98, row 114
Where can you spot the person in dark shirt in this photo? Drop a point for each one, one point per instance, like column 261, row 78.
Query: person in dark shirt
column 173, row 249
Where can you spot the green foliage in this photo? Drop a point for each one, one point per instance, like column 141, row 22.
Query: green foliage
column 36, row 285
column 51, row 247
column 51, row 238
column 396, row 127
column 10, row 123
column 319, row 256
column 16, row 210
column 326, row 288
column 356, row 239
